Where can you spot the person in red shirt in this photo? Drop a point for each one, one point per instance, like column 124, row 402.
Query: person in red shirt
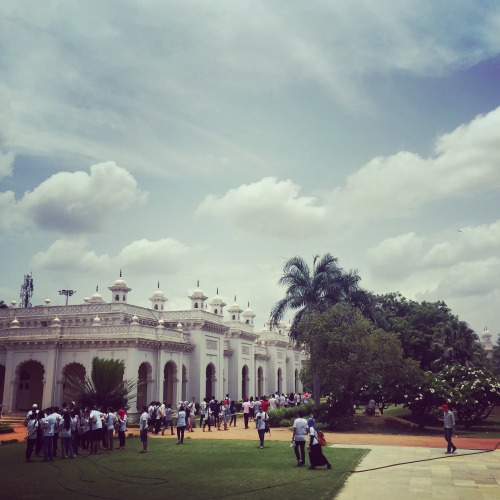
column 264, row 403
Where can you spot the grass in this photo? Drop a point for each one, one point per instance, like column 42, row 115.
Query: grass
column 198, row 469
column 397, row 420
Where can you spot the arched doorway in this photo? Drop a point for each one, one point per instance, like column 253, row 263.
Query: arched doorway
column 29, row 381
column 260, row 382
column 73, row 377
column 2, row 382
column 184, row 383
column 244, row 381
column 280, row 381
column 210, row 381
column 169, row 382
column 296, row 381
column 143, row 381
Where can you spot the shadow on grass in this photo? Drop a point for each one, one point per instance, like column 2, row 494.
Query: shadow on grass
column 198, row 469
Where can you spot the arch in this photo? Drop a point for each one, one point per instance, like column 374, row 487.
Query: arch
column 143, row 383
column 2, row 382
column 210, row 381
column 280, row 381
column 75, row 372
column 117, row 298
column 29, row 385
column 244, row 381
column 260, row 382
column 296, row 377
column 169, row 382
column 184, row 383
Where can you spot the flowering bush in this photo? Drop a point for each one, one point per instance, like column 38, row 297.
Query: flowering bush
column 425, row 398
column 473, row 392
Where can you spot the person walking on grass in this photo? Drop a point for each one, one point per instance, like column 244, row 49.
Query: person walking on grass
column 299, row 438
column 181, row 425
column 449, row 427
column 260, row 423
column 316, row 457
column 144, row 428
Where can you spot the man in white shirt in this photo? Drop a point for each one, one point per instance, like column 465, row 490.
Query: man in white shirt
column 143, row 429
column 96, row 431
column 192, row 410
column 299, row 438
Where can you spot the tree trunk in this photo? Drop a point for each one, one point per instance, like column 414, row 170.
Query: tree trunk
column 316, row 387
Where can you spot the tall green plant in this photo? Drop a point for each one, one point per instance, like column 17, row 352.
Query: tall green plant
column 106, row 386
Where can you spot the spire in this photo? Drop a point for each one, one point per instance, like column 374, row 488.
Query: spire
column 198, row 284
column 120, row 273
column 158, row 284
column 97, row 288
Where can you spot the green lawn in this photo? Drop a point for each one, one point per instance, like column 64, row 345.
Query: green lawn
column 197, row 469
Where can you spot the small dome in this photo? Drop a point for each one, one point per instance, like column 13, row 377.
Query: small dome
column 47, row 302
column 56, row 321
column 179, row 327
column 160, row 323
column 86, row 299
column 120, row 282
column 135, row 320
column 197, row 293
column 14, row 323
column 158, row 294
column 97, row 320
column 13, row 303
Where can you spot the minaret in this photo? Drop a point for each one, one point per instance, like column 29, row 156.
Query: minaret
column 248, row 315
column 158, row 299
column 198, row 298
column 119, row 290
column 217, row 304
column 234, row 311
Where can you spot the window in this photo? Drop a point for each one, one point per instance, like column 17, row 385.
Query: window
column 156, row 307
column 117, row 298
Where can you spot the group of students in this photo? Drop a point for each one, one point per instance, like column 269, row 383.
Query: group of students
column 76, row 429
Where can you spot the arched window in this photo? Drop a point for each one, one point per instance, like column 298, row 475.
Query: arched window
column 156, row 306
column 196, row 305
column 117, row 298
column 215, row 311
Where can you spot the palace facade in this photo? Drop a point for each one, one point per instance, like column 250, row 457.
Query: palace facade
column 173, row 355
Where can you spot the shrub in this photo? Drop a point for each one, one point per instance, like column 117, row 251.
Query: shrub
column 337, row 412
column 283, row 416
column 6, row 429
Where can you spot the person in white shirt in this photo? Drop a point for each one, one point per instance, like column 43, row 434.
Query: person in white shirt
column 143, row 429
column 299, row 438
column 260, row 423
column 31, row 434
column 272, row 403
column 203, row 407
column 181, row 424
column 246, row 411
column 95, row 419
column 192, row 410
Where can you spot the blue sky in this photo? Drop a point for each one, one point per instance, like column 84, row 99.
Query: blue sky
column 185, row 141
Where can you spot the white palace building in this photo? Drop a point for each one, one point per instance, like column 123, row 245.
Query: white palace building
column 203, row 351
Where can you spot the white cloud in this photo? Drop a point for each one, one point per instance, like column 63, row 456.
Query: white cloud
column 165, row 256
column 395, row 257
column 71, row 254
column 6, row 164
column 465, row 164
column 267, row 207
column 79, row 202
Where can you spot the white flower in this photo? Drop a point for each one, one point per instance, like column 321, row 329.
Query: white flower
column 406, row 395
column 432, row 391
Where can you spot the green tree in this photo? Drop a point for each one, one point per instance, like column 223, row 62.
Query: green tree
column 456, row 343
column 3, row 305
column 105, row 386
column 314, row 290
column 352, row 355
column 416, row 324
column 495, row 359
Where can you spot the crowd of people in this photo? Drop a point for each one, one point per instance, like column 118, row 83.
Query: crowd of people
column 74, row 429
column 79, row 430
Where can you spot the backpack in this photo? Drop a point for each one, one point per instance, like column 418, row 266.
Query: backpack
column 321, row 438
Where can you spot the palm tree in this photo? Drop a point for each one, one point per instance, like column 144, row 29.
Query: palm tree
column 310, row 292
column 456, row 343
column 105, row 387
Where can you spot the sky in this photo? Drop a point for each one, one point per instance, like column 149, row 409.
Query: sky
column 210, row 141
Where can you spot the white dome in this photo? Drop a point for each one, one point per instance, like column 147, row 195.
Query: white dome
column 120, row 282
column 197, row 293
column 158, row 294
